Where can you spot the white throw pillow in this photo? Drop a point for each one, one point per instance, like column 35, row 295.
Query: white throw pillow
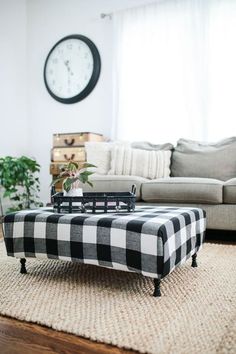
column 99, row 154
column 137, row 162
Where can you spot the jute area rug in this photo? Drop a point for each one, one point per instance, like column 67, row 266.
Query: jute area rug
column 196, row 314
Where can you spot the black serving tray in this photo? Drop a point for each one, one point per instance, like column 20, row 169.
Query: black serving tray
column 95, row 202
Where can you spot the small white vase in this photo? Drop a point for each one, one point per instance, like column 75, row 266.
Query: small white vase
column 74, row 192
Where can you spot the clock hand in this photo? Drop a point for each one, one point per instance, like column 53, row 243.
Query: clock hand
column 66, row 62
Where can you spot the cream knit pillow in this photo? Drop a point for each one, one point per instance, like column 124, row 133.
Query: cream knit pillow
column 136, row 162
column 99, row 154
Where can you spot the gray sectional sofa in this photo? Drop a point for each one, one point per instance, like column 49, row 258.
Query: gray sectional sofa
column 202, row 175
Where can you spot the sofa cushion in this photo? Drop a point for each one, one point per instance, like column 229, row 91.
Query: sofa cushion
column 137, row 162
column 229, row 191
column 145, row 145
column 109, row 183
column 183, row 190
column 195, row 159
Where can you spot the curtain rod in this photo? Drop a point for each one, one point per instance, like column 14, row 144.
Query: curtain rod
column 147, row 3
column 103, row 15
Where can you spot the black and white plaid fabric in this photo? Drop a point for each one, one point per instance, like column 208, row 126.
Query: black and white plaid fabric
column 151, row 240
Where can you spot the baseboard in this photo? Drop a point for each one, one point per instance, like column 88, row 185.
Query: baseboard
column 221, row 235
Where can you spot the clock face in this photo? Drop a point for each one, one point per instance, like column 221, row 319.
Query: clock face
column 72, row 69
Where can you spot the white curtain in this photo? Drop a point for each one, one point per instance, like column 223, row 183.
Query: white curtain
column 175, row 71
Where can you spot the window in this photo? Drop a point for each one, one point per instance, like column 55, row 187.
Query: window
column 175, row 71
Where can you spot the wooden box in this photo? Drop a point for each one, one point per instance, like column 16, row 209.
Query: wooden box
column 65, row 154
column 58, row 186
column 75, row 139
column 56, row 168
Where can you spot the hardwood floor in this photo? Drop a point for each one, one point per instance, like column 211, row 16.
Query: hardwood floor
column 18, row 337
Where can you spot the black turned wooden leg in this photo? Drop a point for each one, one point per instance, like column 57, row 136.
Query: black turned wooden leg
column 23, row 268
column 194, row 260
column 157, row 290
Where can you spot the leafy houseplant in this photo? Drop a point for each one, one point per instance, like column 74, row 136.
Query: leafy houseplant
column 73, row 174
column 19, row 182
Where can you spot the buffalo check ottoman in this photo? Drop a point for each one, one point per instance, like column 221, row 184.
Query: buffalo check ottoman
column 152, row 241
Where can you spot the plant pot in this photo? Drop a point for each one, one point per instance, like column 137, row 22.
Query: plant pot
column 74, row 192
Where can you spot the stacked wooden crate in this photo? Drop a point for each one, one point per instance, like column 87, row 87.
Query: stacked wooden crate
column 67, row 147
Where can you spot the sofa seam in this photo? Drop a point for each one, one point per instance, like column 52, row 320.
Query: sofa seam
column 183, row 201
column 202, row 184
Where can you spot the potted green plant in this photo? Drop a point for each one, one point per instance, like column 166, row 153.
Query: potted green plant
column 19, row 182
column 72, row 176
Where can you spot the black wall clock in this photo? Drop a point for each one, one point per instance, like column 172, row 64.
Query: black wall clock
column 72, row 69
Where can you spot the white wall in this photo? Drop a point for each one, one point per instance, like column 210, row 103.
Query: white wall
column 29, row 115
column 48, row 21
column 13, row 114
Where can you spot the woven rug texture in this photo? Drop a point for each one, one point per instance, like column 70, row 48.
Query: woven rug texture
column 196, row 313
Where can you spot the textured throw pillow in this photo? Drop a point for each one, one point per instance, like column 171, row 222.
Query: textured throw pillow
column 195, row 159
column 145, row 145
column 99, row 154
column 136, row 162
